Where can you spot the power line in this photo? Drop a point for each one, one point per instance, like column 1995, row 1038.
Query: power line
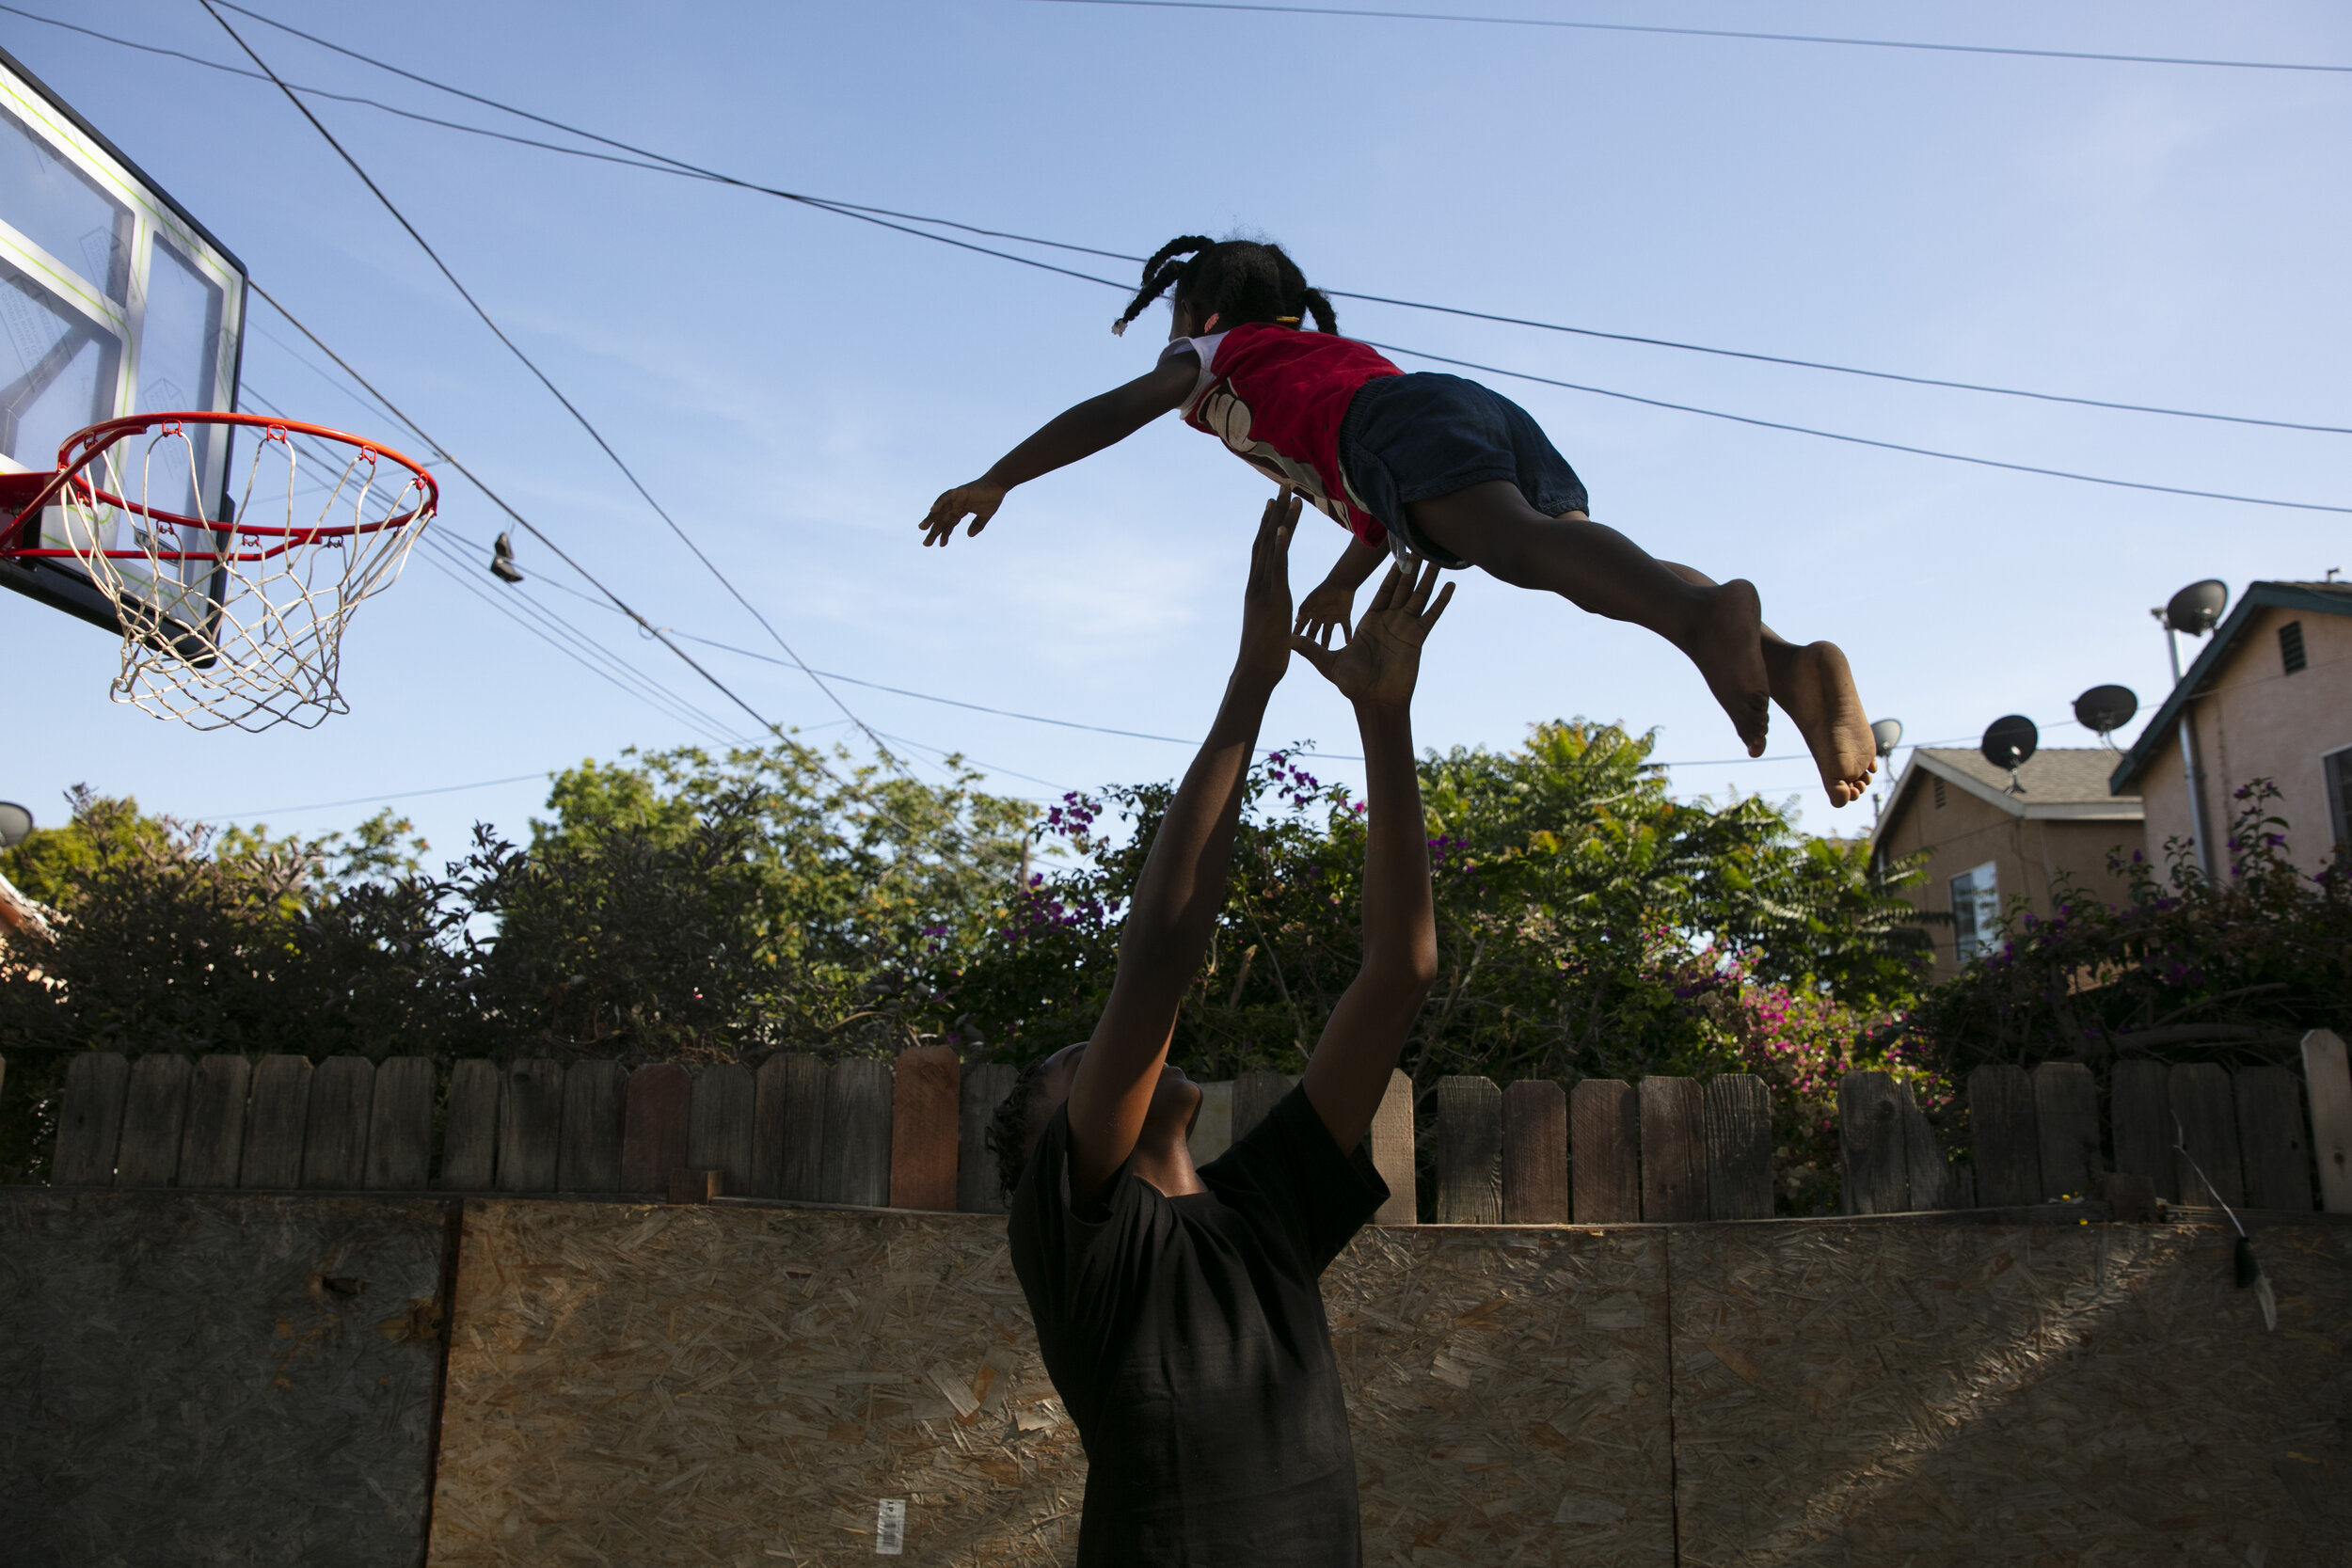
column 662, row 164
column 1707, row 33
column 528, row 364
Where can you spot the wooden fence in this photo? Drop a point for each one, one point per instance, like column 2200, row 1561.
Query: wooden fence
column 909, row 1134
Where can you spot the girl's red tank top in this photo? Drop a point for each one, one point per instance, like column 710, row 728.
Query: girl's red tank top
column 1274, row 396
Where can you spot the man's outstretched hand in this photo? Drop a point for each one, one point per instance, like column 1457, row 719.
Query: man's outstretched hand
column 1266, row 604
column 1382, row 660
column 977, row 500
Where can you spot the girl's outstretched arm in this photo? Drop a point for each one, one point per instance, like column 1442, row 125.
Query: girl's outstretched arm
column 1080, row 431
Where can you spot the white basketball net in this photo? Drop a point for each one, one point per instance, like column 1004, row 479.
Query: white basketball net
column 238, row 625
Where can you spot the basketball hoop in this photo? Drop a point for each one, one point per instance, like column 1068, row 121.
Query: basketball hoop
column 237, row 621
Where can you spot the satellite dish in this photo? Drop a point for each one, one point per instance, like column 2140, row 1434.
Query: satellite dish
column 1888, row 734
column 2008, row 742
column 2198, row 607
column 16, row 824
column 2105, row 709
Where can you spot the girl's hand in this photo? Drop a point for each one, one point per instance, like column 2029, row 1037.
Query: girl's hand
column 977, row 500
column 1326, row 606
column 1379, row 664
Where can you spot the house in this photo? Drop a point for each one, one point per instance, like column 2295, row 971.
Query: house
column 2270, row 697
column 1989, row 844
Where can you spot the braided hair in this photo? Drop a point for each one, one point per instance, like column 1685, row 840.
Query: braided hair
column 1239, row 280
column 1008, row 1137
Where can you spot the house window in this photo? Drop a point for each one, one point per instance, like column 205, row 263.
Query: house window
column 2337, row 765
column 2291, row 646
column 1975, row 911
column 1939, row 794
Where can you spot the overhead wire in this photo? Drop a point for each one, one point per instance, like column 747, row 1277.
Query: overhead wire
column 499, row 332
column 646, row 159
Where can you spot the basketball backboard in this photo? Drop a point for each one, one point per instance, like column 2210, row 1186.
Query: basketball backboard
column 114, row 300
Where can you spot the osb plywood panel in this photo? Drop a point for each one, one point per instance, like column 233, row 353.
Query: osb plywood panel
column 1931, row 1395
column 744, row 1386
column 215, row 1379
column 1507, row 1390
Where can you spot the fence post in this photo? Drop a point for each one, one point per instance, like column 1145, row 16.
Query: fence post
column 588, row 1151
column 927, row 1081
column 719, row 1125
column 1604, row 1152
column 983, row 1089
column 1469, row 1151
column 400, row 1126
column 1738, row 1115
column 154, row 1115
column 530, row 1123
column 212, row 1138
column 799, row 1092
column 2002, row 1125
column 1873, row 1157
column 1212, row 1129
column 2201, row 1100
column 1392, row 1141
column 857, row 1134
column 1933, row 1183
column 653, row 1126
column 334, row 1137
column 2270, row 1134
column 1254, row 1095
column 2329, row 1084
column 1673, row 1150
column 1535, row 1153
column 273, row 1123
column 469, row 1135
column 2140, row 1119
column 2066, row 1112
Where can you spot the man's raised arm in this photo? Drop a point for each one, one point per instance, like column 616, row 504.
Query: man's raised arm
column 1349, row 1071
column 1173, row 909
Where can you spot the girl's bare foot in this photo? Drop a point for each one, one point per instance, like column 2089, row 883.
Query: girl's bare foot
column 1815, row 687
column 1728, row 648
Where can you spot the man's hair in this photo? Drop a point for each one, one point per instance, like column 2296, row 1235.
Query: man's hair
column 1241, row 280
column 1008, row 1137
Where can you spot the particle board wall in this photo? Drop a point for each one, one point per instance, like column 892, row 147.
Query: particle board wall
column 216, row 1378
column 745, row 1384
column 1951, row 1394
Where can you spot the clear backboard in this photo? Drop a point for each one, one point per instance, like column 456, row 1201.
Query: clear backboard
column 112, row 301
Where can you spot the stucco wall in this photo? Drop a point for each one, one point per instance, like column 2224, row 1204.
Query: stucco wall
column 2259, row 721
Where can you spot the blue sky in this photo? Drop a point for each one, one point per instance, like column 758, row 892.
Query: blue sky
column 797, row 387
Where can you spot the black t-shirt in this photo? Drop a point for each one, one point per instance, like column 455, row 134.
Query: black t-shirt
column 1186, row 1337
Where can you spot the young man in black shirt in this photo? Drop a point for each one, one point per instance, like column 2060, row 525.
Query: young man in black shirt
column 1179, row 1311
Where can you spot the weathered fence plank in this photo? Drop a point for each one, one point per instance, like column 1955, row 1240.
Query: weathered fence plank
column 89, row 1123
column 2328, row 1084
column 400, row 1126
column 1392, row 1142
column 927, row 1081
column 857, row 1132
column 2270, row 1135
column 335, row 1135
column 1604, row 1159
column 1873, row 1153
column 1738, row 1116
column 212, row 1139
column 1933, row 1183
column 154, row 1115
column 719, row 1125
column 2066, row 1115
column 2002, row 1125
column 273, row 1122
column 2139, row 1124
column 984, row 1087
column 1254, row 1095
column 653, row 1126
column 1673, row 1150
column 588, row 1152
column 1535, row 1153
column 1212, row 1129
column 469, row 1133
column 530, row 1126
column 1469, row 1151
column 2207, row 1119
column 803, row 1087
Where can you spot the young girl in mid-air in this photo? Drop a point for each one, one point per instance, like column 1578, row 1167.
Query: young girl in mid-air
column 1424, row 467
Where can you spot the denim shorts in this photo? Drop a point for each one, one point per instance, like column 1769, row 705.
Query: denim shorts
column 1410, row 437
